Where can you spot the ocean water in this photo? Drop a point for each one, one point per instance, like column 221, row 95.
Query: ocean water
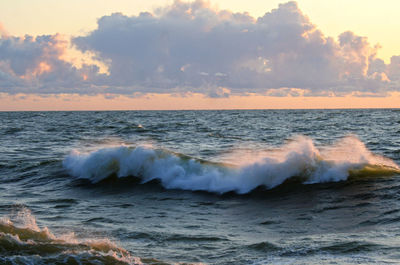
column 200, row 187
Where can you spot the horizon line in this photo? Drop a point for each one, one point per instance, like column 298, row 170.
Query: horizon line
column 233, row 109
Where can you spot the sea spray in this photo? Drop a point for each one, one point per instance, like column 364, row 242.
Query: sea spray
column 20, row 235
column 299, row 158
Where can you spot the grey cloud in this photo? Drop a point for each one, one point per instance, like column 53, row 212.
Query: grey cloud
column 393, row 69
column 33, row 65
column 192, row 47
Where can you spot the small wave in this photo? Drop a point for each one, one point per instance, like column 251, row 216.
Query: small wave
column 194, row 238
column 350, row 247
column 298, row 160
column 264, row 247
column 13, row 130
column 23, row 242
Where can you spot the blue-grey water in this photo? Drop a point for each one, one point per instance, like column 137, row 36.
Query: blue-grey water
column 209, row 187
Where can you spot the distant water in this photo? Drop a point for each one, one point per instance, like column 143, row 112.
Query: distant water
column 200, row 187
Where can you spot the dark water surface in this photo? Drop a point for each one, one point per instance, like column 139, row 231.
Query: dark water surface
column 212, row 187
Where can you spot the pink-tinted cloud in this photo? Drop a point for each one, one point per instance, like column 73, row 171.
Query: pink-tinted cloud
column 35, row 65
column 193, row 47
column 3, row 31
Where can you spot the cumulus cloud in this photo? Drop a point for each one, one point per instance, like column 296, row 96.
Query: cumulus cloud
column 191, row 47
column 35, row 65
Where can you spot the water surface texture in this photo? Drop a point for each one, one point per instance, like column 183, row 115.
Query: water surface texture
column 209, row 187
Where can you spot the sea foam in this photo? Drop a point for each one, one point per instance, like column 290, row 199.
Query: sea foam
column 299, row 158
column 22, row 241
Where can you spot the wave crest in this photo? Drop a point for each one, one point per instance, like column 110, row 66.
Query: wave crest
column 299, row 158
column 22, row 242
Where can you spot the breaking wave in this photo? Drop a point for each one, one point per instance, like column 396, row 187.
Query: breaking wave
column 299, row 159
column 23, row 242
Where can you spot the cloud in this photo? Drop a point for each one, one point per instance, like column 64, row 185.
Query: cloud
column 3, row 31
column 192, row 47
column 35, row 65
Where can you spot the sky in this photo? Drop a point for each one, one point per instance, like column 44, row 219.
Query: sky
column 129, row 54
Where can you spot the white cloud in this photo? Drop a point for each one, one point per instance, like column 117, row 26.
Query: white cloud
column 34, row 65
column 193, row 47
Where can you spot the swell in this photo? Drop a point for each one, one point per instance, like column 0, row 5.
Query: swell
column 299, row 160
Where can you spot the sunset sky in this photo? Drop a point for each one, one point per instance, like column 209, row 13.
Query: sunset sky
column 129, row 54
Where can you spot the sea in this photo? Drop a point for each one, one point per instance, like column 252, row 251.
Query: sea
column 200, row 187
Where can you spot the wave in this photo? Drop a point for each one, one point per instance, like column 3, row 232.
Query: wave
column 23, row 242
column 299, row 159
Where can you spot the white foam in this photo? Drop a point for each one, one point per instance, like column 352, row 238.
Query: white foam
column 298, row 158
column 20, row 228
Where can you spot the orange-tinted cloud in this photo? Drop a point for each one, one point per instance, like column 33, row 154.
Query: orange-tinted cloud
column 192, row 47
column 3, row 31
column 36, row 65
